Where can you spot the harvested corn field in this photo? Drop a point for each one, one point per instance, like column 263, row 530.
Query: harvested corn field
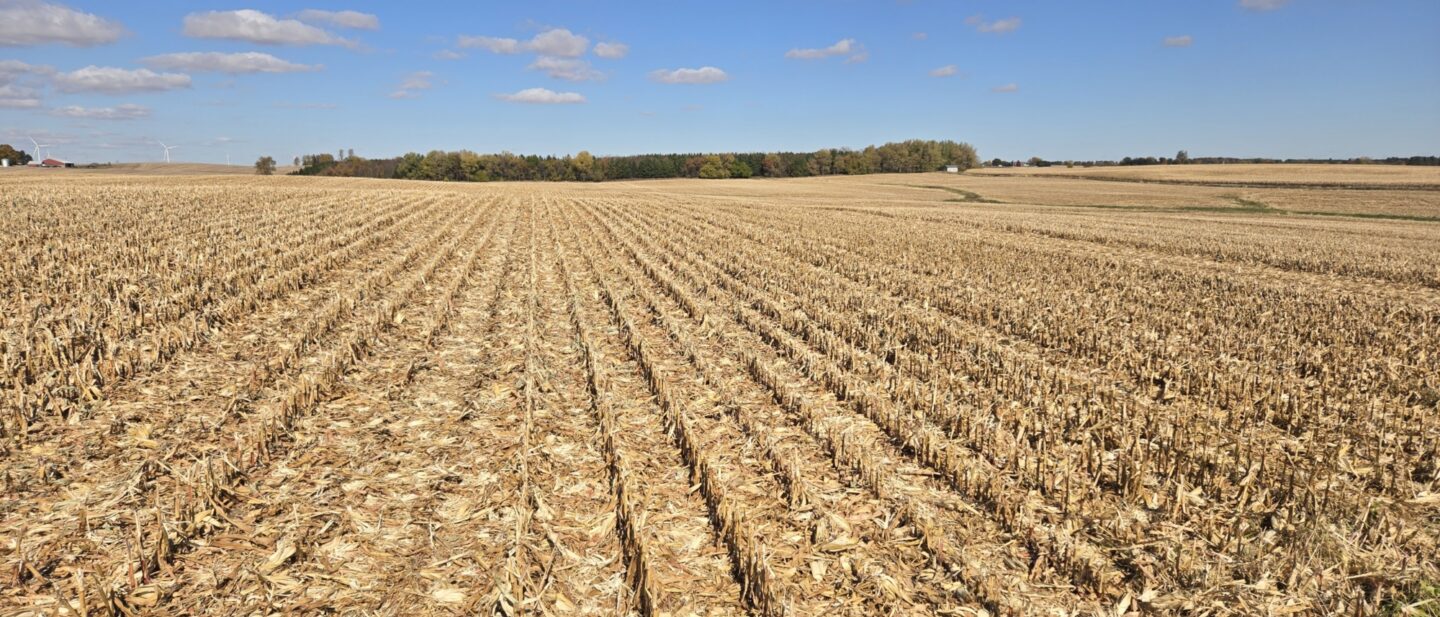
column 838, row 396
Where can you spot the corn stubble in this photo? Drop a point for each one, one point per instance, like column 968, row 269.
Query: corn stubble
column 237, row 395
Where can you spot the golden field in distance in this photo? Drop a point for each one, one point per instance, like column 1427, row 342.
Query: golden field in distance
column 1005, row 392
column 1244, row 173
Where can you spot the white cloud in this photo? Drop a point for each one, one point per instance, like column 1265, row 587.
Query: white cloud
column 119, row 112
column 554, row 43
column 948, row 70
column 1184, row 40
column 840, row 48
column 491, row 44
column 858, row 58
column 354, row 20
column 999, row 26
column 702, row 75
column 611, row 51
column 558, row 42
column 419, row 80
column 919, row 36
column 18, row 97
column 31, row 22
column 1263, row 5
column 542, row 96
column 15, row 95
column 447, row 54
column 10, row 69
column 247, row 62
column 569, row 69
column 25, row 103
column 111, row 80
column 13, row 91
column 1007, row 88
column 256, row 27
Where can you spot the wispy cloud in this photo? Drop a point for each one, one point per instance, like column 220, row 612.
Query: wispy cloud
column 353, row 20
column 555, row 42
column 234, row 64
column 10, row 69
column 494, row 45
column 948, row 70
column 919, row 36
column 119, row 112
column 702, row 75
column 560, row 43
column 999, row 26
column 18, row 97
column 569, row 69
column 255, row 27
column 1183, row 40
column 611, row 51
column 409, row 88
column 1005, row 89
column 447, row 54
column 111, row 80
column 1263, row 5
column 24, row 23
column 542, row 96
column 843, row 47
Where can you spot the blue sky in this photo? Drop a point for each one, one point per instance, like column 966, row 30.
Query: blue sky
column 1057, row 79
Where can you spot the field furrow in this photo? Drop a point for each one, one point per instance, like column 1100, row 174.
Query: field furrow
column 777, row 397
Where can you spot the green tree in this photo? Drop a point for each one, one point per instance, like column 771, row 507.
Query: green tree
column 713, row 168
column 739, row 169
column 409, row 166
column 1182, row 157
column 16, row 157
column 440, row 165
column 960, row 154
column 585, row 169
column 265, row 166
column 472, row 166
column 772, row 166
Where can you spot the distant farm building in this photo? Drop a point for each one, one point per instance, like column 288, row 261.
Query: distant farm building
column 954, row 169
column 56, row 163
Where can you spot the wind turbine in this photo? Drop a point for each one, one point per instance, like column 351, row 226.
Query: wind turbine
column 167, row 149
column 39, row 153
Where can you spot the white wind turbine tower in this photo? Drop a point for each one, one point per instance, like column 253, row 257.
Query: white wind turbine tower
column 167, row 150
column 39, row 152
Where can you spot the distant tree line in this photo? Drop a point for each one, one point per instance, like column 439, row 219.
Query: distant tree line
column 1183, row 158
column 465, row 166
column 16, row 156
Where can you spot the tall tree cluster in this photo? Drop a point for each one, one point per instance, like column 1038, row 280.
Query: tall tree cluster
column 16, row 156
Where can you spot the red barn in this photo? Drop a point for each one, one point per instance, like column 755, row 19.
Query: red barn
column 56, row 163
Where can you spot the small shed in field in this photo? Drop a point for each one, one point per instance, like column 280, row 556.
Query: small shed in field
column 952, row 169
column 56, row 163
